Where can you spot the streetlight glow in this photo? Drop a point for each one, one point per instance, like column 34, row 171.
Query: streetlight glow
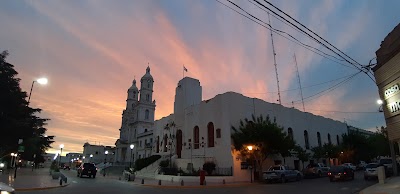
column 91, row 155
column 62, row 146
column 42, row 81
column 379, row 101
column 132, row 146
column 250, row 148
column 106, row 152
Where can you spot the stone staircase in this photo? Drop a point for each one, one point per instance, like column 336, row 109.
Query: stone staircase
column 152, row 170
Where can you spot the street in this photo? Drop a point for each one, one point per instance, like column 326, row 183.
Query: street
column 306, row 186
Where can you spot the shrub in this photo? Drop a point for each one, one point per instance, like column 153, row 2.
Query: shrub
column 209, row 167
column 164, row 164
column 144, row 162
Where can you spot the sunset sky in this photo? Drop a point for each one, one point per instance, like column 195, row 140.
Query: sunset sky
column 91, row 51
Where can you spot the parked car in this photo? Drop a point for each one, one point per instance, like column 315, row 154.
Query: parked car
column 318, row 169
column 282, row 174
column 88, row 169
column 340, row 173
column 371, row 171
column 350, row 165
column 4, row 188
column 66, row 167
column 361, row 165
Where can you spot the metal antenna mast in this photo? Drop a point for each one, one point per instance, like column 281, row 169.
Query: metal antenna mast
column 274, row 54
column 298, row 78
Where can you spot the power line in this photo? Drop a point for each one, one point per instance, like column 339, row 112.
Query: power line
column 331, row 88
column 276, row 31
column 293, row 89
column 294, row 29
column 362, row 67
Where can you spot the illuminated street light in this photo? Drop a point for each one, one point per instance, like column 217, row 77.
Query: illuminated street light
column 379, row 101
column 130, row 161
column 41, row 81
column 61, row 148
column 250, row 148
column 105, row 161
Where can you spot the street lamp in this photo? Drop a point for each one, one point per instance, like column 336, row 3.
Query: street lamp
column 250, row 148
column 41, row 81
column 380, row 102
column 130, row 161
column 91, row 156
column 61, row 148
column 105, row 160
column 12, row 160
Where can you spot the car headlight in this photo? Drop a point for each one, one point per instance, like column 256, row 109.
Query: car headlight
column 5, row 192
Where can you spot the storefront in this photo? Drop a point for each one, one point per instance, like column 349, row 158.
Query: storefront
column 387, row 75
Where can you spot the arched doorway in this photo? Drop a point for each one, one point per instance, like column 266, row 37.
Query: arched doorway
column 210, row 128
column 179, row 143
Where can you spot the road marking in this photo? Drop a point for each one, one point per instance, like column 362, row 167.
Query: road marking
column 74, row 182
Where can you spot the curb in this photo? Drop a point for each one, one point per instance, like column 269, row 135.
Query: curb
column 40, row 188
column 195, row 186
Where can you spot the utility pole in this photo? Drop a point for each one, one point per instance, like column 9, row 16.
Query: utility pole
column 274, row 55
column 298, row 78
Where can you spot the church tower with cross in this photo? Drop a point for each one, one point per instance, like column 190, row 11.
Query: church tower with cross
column 136, row 132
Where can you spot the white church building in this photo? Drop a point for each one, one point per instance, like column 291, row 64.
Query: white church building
column 199, row 130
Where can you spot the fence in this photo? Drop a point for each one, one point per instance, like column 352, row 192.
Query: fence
column 179, row 171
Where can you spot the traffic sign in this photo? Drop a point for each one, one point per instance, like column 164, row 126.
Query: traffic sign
column 21, row 148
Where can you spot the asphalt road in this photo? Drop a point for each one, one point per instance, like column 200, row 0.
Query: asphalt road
column 306, row 186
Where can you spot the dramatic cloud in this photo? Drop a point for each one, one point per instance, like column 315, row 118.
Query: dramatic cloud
column 92, row 50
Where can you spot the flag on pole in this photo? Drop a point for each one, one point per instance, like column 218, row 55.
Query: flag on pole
column 184, row 68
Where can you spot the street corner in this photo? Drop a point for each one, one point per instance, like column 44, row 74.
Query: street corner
column 41, row 188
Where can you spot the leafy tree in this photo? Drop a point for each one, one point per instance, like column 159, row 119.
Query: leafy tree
column 209, row 167
column 301, row 154
column 327, row 150
column 17, row 119
column 359, row 144
column 265, row 136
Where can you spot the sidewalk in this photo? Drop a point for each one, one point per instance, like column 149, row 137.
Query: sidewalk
column 26, row 179
column 178, row 184
column 391, row 186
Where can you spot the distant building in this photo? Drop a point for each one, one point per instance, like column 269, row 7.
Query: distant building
column 97, row 153
column 361, row 131
column 199, row 130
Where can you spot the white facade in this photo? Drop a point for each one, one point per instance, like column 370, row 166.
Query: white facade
column 200, row 131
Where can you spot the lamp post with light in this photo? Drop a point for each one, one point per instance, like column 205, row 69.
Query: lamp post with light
column 250, row 148
column 105, row 161
column 91, row 156
column 130, row 161
column 12, row 160
column 380, row 102
column 41, row 81
column 61, row 148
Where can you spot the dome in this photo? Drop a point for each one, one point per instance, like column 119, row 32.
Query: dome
column 147, row 75
column 133, row 87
